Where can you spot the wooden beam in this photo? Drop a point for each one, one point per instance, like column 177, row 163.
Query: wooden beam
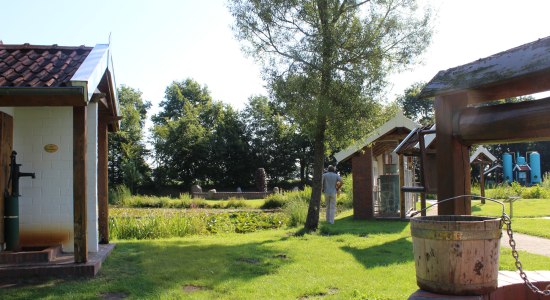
column 401, row 184
column 361, row 167
column 504, row 123
column 512, row 87
column 103, row 181
column 41, row 100
column 101, row 99
column 453, row 162
column 80, row 214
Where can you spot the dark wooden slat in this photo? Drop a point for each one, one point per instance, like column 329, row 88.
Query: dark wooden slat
column 41, row 100
column 6, row 146
column 401, row 184
column 453, row 163
column 103, row 181
column 512, row 122
column 79, row 185
column 363, row 205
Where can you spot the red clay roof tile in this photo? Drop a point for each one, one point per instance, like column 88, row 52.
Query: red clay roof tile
column 39, row 66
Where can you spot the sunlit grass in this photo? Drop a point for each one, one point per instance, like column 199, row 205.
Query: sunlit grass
column 348, row 260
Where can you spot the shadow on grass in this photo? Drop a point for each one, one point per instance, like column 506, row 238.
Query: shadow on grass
column 147, row 269
column 348, row 225
column 396, row 251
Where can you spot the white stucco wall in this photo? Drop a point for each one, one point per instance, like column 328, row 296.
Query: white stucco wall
column 91, row 176
column 46, row 203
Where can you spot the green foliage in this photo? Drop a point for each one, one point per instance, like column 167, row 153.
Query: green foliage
column 505, row 191
column 127, row 150
column 119, row 194
column 296, row 206
column 200, row 141
column 326, row 62
column 274, row 201
column 416, row 108
column 276, row 143
column 162, row 223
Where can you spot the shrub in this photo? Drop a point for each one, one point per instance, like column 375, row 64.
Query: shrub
column 275, row 201
column 296, row 212
column 119, row 194
column 343, row 202
column 296, row 206
column 235, row 203
column 161, row 223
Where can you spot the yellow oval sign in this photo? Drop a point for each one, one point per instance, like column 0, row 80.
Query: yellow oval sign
column 51, row 148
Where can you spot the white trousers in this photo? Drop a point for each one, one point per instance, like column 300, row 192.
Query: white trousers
column 331, row 207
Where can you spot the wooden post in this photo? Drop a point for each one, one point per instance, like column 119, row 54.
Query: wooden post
column 401, row 184
column 103, row 181
column 482, row 182
column 363, row 205
column 6, row 146
column 453, row 162
column 79, row 185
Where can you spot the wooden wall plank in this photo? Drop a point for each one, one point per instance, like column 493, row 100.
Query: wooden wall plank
column 79, row 185
column 6, row 146
column 103, row 181
column 363, row 204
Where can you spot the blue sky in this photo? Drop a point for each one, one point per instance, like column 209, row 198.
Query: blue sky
column 157, row 42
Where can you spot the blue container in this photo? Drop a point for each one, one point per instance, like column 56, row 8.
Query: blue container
column 534, row 161
column 507, row 167
column 521, row 161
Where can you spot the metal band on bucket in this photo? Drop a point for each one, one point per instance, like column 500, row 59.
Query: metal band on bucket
column 455, row 235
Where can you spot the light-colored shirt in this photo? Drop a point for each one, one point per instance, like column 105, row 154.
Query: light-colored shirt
column 329, row 182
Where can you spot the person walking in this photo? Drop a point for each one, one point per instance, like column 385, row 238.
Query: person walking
column 331, row 184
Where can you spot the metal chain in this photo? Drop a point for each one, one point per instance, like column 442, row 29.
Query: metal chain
column 506, row 220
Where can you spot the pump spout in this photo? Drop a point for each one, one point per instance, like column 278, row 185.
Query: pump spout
column 11, row 206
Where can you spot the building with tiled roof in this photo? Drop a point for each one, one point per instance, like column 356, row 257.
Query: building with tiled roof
column 57, row 104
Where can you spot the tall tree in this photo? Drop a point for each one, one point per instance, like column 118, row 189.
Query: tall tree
column 127, row 151
column 331, row 57
column 198, row 140
column 272, row 138
column 416, row 108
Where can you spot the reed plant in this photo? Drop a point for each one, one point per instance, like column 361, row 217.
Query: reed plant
column 126, row 223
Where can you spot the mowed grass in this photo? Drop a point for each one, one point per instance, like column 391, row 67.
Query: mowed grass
column 522, row 208
column 527, row 215
column 348, row 260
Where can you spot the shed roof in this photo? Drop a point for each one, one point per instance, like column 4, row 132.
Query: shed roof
column 39, row 66
column 36, row 75
column 504, row 67
column 482, row 154
column 410, row 144
column 399, row 121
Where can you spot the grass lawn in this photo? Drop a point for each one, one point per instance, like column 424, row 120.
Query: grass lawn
column 527, row 215
column 523, row 208
column 348, row 260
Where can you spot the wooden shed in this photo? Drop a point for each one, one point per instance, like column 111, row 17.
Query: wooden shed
column 377, row 171
column 464, row 118
column 57, row 105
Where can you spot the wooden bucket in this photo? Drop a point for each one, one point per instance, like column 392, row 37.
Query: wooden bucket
column 456, row 255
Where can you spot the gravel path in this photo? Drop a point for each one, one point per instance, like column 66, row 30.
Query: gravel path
column 528, row 243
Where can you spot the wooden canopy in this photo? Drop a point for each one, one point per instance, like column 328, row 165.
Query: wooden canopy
column 523, row 70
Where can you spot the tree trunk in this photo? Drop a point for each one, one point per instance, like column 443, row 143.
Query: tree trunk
column 312, row 221
column 303, row 171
